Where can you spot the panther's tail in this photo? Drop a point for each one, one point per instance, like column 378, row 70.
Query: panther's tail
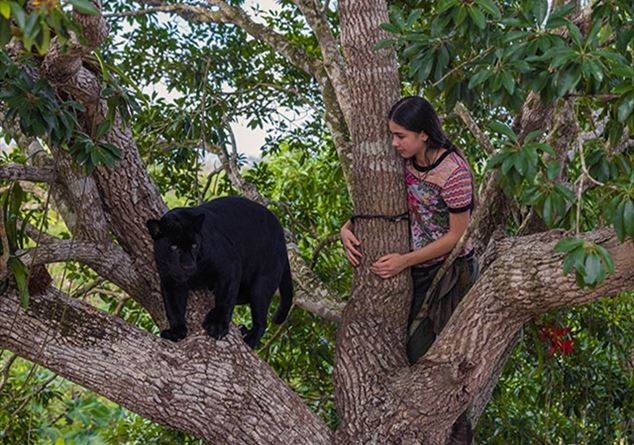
column 286, row 295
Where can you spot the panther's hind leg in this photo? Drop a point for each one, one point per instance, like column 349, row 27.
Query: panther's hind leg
column 259, row 308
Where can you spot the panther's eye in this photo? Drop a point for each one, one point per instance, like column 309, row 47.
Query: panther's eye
column 194, row 245
column 173, row 247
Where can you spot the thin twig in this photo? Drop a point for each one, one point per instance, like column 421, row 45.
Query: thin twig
column 6, row 370
column 27, row 399
column 473, row 59
column 524, row 224
column 86, row 289
column 211, row 175
column 320, row 246
column 265, row 349
column 203, row 129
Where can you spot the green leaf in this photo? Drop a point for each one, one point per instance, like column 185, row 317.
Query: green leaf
column 21, row 274
column 425, row 67
column 568, row 244
column 499, row 127
column 574, row 258
column 490, row 8
column 548, row 210
column 445, row 5
column 5, row 32
column 460, row 13
column 413, row 17
column 566, row 193
column 594, row 69
column 479, row 77
column 508, row 82
column 628, row 218
column 626, row 107
column 477, row 16
column 521, row 163
column 617, row 221
column 5, row 9
column 575, row 34
column 103, row 128
column 392, row 29
column 563, row 11
column 568, row 80
column 607, row 258
column 84, row 7
column 385, row 43
column 593, row 268
column 497, row 159
column 508, row 164
column 18, row 14
column 552, row 170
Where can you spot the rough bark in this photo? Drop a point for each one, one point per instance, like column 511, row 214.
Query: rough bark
column 20, row 172
column 218, row 391
column 372, row 330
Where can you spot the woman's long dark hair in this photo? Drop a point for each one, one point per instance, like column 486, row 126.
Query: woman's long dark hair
column 416, row 114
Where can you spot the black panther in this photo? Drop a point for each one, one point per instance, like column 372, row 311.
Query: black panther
column 230, row 245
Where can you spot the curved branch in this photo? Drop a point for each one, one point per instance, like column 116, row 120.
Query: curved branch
column 108, row 260
column 333, row 60
column 312, row 294
column 336, row 114
column 218, row 391
column 233, row 15
column 523, row 283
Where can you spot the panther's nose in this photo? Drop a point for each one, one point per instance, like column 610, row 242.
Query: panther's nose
column 189, row 268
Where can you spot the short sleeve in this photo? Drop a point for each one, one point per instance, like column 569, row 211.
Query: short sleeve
column 458, row 190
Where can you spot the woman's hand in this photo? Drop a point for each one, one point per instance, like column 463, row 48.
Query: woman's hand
column 389, row 265
column 350, row 244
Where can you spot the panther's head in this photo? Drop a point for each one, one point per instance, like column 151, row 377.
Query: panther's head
column 177, row 239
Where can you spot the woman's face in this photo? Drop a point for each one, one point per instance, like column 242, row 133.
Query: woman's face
column 406, row 142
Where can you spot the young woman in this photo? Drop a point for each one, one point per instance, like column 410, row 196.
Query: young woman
column 440, row 196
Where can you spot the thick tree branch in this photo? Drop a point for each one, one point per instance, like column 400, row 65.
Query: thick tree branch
column 523, row 283
column 228, row 14
column 216, row 390
column 473, row 127
column 64, row 61
column 13, row 172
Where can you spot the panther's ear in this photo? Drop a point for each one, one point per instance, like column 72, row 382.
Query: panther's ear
column 197, row 222
column 154, row 228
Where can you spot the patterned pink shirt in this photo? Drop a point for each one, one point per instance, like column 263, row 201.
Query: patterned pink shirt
column 443, row 187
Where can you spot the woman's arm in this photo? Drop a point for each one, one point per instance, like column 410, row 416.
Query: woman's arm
column 389, row 265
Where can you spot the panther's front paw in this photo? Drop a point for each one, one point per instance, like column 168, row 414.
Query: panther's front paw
column 175, row 334
column 216, row 329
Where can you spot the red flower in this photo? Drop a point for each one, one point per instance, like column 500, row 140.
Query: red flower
column 557, row 343
column 566, row 347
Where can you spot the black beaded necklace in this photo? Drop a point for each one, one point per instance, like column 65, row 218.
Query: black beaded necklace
column 436, row 163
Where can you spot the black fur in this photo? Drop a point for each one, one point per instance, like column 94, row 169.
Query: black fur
column 232, row 246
